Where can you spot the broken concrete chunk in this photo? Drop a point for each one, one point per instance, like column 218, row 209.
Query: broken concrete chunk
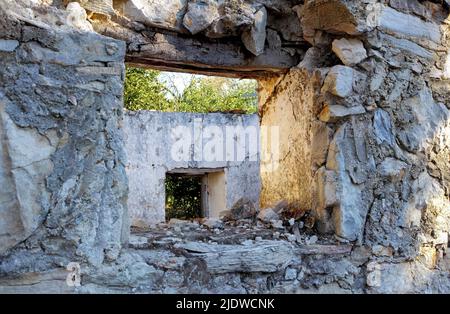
column 312, row 240
column 351, row 51
column 174, row 222
column 339, row 81
column 255, row 38
column 335, row 112
column 280, row 206
column 243, row 209
column 200, row 15
column 212, row 223
column 277, row 224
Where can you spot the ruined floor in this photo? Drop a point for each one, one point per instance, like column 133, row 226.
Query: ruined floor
column 248, row 256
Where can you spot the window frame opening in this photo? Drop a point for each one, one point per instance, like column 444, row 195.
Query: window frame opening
column 176, row 91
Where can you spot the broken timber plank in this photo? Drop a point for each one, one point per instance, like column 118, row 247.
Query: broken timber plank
column 176, row 52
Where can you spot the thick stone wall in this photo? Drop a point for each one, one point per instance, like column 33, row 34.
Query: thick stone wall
column 383, row 182
column 156, row 143
column 63, row 195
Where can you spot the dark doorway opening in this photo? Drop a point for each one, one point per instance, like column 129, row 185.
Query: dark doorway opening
column 184, row 196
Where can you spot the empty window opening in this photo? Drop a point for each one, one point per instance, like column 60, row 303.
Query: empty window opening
column 182, row 92
column 209, row 111
column 195, row 194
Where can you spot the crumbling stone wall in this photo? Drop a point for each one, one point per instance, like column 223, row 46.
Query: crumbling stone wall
column 63, row 194
column 253, row 37
column 160, row 142
column 382, row 102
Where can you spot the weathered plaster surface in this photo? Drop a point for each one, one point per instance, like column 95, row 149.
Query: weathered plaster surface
column 287, row 154
column 156, row 141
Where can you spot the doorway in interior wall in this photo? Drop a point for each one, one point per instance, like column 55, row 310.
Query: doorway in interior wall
column 195, row 193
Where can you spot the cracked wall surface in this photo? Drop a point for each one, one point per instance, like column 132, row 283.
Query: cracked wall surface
column 62, row 155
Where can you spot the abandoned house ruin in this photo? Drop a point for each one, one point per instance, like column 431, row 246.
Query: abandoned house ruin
column 357, row 199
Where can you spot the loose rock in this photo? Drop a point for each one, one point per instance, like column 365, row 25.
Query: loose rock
column 255, row 39
column 350, row 51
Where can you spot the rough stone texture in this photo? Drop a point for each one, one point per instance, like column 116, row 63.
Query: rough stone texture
column 8, row 45
column 255, row 39
column 335, row 112
column 77, row 17
column 382, row 184
column 160, row 33
column 163, row 14
column 242, row 209
column 350, row 51
column 404, row 25
column 351, row 167
column 267, row 215
column 339, row 81
column 101, row 7
column 200, row 15
column 62, row 159
column 188, row 135
column 25, row 166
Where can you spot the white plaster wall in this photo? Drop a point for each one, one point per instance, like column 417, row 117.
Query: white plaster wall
column 149, row 142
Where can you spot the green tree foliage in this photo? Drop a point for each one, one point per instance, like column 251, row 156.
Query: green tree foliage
column 144, row 91
column 183, row 197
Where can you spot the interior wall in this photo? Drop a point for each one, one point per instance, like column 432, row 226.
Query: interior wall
column 157, row 142
column 288, row 114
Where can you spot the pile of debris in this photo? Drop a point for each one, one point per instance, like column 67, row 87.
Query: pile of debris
column 240, row 225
